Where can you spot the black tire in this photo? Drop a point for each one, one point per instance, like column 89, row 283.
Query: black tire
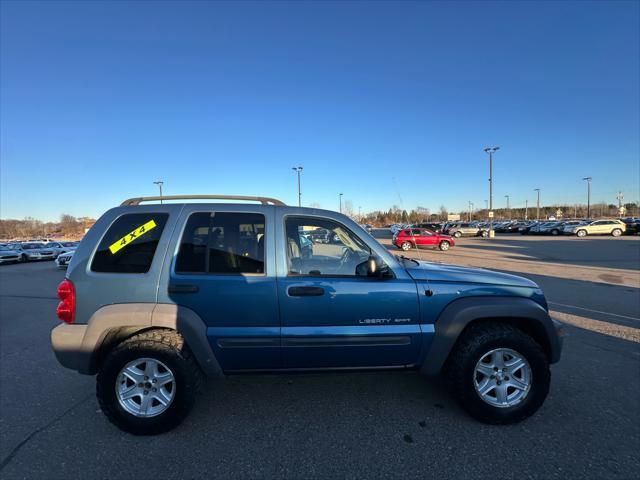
column 406, row 246
column 484, row 234
column 555, row 232
column 473, row 344
column 616, row 232
column 581, row 233
column 457, row 234
column 166, row 346
column 444, row 245
column 23, row 258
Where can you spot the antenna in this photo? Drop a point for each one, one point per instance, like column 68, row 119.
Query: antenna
column 395, row 185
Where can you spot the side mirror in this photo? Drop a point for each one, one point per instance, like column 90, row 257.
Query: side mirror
column 370, row 268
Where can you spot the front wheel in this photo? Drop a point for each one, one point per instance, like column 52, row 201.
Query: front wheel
column 444, row 245
column 405, row 246
column 555, row 232
column 499, row 374
column 148, row 383
column 484, row 234
column 616, row 232
column 457, row 234
column 24, row 258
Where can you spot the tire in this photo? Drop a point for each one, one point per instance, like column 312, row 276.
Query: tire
column 581, row 233
column 444, row 245
column 167, row 348
column 476, row 343
column 616, row 232
column 484, row 234
column 555, row 232
column 457, row 234
column 405, row 246
column 23, row 258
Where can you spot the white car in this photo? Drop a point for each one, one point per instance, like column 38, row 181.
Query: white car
column 64, row 258
column 9, row 254
column 61, row 247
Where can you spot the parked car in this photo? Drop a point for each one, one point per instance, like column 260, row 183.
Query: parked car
column 35, row 251
column 551, row 228
column 422, row 237
column 62, row 260
column 9, row 254
column 434, row 227
column 598, row 227
column 61, row 247
column 466, row 229
column 158, row 295
column 633, row 226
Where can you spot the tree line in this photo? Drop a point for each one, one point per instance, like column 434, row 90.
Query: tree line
column 68, row 226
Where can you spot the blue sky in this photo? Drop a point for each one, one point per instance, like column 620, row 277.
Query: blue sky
column 381, row 101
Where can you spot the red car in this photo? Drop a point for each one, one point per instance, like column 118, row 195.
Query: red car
column 421, row 237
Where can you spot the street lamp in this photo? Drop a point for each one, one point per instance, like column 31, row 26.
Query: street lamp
column 340, row 198
column 508, row 210
column 160, row 183
column 537, row 204
column 588, row 179
column 490, row 151
column 298, row 170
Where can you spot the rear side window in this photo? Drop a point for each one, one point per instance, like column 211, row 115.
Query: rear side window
column 130, row 243
column 222, row 243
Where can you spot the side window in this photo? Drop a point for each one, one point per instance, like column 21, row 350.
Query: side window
column 337, row 252
column 222, row 243
column 130, row 243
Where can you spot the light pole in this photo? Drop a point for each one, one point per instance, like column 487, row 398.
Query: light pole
column 490, row 151
column 340, row 198
column 526, row 209
column 537, row 204
column 160, row 183
column 298, row 170
column 508, row 209
column 588, row 179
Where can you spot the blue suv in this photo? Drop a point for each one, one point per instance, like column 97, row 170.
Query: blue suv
column 159, row 296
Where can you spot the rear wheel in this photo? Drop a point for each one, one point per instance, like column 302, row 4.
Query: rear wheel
column 23, row 258
column 499, row 374
column 581, row 233
column 555, row 232
column 405, row 246
column 457, row 234
column 616, row 232
column 444, row 245
column 484, row 234
column 148, row 383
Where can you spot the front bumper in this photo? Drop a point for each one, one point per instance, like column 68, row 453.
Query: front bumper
column 9, row 259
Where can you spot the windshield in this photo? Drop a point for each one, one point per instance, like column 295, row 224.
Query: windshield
column 31, row 246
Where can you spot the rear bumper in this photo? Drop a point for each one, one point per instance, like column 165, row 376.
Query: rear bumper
column 67, row 344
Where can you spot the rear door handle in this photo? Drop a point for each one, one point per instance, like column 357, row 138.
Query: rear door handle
column 305, row 291
column 183, row 288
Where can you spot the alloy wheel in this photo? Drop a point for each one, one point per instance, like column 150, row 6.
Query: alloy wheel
column 145, row 387
column 502, row 378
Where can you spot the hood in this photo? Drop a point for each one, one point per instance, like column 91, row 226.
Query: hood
column 435, row 272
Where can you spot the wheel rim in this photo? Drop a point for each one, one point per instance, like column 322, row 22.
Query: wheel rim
column 582, row 233
column 616, row 233
column 444, row 246
column 145, row 387
column 406, row 246
column 502, row 378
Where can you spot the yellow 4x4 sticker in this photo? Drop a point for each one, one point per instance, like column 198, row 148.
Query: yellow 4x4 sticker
column 131, row 236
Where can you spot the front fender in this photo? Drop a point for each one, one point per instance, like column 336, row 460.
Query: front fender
column 521, row 312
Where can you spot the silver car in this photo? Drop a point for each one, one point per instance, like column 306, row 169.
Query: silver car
column 61, row 247
column 36, row 251
column 8, row 254
column 64, row 258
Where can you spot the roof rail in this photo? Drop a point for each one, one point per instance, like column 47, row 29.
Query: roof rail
column 263, row 200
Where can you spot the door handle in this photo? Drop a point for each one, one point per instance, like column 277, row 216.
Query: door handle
column 183, row 288
column 305, row 291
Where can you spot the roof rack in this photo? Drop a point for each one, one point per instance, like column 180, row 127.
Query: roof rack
column 263, row 200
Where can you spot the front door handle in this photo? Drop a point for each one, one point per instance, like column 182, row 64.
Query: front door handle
column 305, row 291
column 183, row 288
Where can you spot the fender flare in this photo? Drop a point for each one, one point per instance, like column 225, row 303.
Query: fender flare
column 81, row 347
column 521, row 312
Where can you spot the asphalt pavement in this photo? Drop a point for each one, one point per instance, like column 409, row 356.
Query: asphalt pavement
column 348, row 425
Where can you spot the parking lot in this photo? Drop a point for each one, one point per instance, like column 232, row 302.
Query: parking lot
column 349, row 425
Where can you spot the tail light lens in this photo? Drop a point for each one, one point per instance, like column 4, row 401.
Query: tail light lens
column 66, row 310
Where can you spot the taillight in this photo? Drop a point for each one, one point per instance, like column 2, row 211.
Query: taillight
column 66, row 310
